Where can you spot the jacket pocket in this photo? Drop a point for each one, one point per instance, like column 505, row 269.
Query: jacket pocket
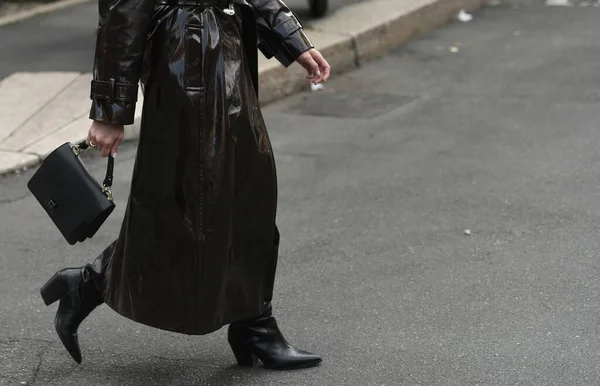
column 193, row 58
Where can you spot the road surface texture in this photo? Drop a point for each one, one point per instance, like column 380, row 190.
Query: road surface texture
column 64, row 40
column 490, row 126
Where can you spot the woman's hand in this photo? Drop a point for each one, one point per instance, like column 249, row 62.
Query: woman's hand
column 316, row 66
column 105, row 137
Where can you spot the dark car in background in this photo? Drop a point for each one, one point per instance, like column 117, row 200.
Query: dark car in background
column 318, row 8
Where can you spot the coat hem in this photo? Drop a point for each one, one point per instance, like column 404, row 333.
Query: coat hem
column 197, row 332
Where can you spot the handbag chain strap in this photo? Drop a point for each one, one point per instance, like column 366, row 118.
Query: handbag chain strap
column 108, row 179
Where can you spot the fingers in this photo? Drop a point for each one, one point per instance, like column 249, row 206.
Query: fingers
column 105, row 138
column 309, row 64
column 316, row 66
column 109, row 145
column 116, row 145
column 313, row 71
column 105, row 146
column 324, row 68
column 89, row 138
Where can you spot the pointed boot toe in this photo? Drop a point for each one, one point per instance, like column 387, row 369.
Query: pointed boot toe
column 262, row 340
column 66, row 327
column 71, row 343
column 78, row 298
column 291, row 359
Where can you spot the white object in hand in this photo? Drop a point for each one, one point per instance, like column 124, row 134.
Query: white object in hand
column 463, row 16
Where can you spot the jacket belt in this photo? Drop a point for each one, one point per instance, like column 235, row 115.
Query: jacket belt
column 114, row 91
column 195, row 3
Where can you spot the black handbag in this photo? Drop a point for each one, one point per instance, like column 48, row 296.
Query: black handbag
column 73, row 199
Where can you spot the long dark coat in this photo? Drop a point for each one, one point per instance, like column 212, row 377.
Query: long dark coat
column 198, row 245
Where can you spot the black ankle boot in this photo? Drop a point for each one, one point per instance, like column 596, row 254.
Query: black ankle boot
column 260, row 338
column 78, row 295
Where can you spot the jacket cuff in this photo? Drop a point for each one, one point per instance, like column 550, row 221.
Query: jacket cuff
column 297, row 43
column 286, row 50
column 113, row 102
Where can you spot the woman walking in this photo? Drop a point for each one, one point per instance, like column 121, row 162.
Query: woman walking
column 198, row 245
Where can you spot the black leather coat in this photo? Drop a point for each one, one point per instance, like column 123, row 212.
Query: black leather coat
column 198, row 244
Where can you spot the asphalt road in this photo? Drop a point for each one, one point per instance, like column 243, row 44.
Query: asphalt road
column 380, row 176
column 64, row 40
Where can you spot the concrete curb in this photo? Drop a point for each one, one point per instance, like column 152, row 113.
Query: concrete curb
column 348, row 39
column 38, row 10
column 391, row 24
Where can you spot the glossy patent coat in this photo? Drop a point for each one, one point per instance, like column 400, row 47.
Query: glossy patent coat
column 198, row 244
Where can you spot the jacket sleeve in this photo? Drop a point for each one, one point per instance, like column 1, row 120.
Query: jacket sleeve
column 280, row 33
column 122, row 30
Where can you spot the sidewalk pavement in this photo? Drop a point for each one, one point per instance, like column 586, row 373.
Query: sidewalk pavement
column 41, row 111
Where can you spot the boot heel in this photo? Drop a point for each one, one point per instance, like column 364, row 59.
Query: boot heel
column 54, row 289
column 244, row 355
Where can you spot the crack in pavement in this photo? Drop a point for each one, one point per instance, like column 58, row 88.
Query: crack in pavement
column 12, row 341
column 39, row 365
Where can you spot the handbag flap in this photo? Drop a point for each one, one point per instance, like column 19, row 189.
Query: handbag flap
column 69, row 193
